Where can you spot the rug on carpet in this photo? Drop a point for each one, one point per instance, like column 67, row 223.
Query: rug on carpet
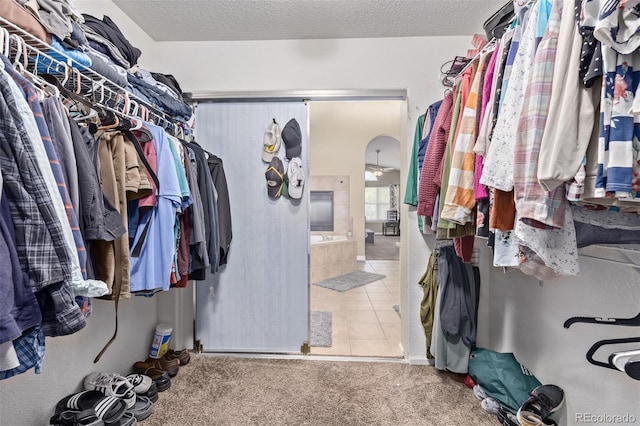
column 348, row 281
column 321, row 329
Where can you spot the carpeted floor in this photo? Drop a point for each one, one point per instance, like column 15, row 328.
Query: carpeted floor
column 383, row 248
column 215, row 390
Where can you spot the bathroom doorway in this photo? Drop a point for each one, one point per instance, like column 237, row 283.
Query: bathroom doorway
column 364, row 318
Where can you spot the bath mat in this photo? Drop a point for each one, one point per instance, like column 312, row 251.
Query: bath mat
column 348, row 281
column 321, row 329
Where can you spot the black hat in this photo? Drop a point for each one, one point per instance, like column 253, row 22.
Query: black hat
column 292, row 139
column 275, row 177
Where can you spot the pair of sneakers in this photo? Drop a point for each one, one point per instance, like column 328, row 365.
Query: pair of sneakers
column 542, row 402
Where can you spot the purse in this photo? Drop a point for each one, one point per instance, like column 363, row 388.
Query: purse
column 498, row 23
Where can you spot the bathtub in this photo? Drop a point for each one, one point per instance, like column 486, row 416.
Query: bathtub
column 327, row 238
column 332, row 255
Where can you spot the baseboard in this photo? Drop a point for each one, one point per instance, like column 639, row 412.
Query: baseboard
column 415, row 360
column 361, row 258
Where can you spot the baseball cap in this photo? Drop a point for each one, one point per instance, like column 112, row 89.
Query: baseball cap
column 271, row 142
column 275, row 177
column 292, row 138
column 295, row 178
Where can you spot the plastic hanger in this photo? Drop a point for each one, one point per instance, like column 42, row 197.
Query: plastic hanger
column 632, row 368
column 619, row 359
column 592, row 350
column 630, row 322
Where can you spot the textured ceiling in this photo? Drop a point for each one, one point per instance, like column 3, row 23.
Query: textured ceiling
column 225, row 20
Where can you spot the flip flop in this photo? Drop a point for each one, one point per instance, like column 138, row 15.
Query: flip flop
column 73, row 418
column 109, row 409
column 142, row 408
column 128, row 419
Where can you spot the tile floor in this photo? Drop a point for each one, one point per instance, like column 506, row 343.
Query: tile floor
column 363, row 318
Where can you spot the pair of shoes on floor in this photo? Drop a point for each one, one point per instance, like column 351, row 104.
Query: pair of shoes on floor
column 170, row 366
column 182, row 355
column 542, row 402
column 144, row 386
column 92, row 408
column 115, row 385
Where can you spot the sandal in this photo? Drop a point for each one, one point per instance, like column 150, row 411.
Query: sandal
column 183, row 356
column 128, row 419
column 109, row 409
column 73, row 418
column 111, row 385
column 142, row 408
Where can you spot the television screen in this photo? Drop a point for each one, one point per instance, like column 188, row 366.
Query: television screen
column 321, row 210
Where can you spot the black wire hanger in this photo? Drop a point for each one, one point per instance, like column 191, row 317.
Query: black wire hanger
column 592, row 350
column 630, row 322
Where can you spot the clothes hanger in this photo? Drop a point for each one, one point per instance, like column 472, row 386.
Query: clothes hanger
column 632, row 368
column 630, row 322
column 592, row 350
column 619, row 359
column 49, row 78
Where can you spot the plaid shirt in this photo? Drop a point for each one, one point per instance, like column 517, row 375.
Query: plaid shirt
column 533, row 202
column 30, row 351
column 34, row 104
column 38, row 235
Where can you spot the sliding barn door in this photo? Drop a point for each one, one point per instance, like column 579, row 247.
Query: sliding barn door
column 260, row 301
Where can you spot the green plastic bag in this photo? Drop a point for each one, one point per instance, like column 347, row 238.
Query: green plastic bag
column 502, row 377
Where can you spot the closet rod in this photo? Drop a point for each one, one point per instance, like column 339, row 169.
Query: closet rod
column 482, row 51
column 88, row 83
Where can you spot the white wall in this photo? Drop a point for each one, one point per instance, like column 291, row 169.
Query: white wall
column 527, row 317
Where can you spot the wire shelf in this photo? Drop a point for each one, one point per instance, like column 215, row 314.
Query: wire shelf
column 39, row 57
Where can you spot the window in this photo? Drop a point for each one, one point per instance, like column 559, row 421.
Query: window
column 376, row 202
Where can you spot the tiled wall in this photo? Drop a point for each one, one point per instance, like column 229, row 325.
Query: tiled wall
column 342, row 221
column 332, row 258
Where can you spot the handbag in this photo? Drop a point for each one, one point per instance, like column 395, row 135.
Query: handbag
column 498, row 23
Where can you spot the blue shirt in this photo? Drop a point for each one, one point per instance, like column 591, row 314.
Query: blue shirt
column 152, row 268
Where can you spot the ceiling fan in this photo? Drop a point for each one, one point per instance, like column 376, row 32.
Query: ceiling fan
column 376, row 169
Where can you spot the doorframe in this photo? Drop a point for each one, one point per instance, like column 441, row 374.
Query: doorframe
column 174, row 309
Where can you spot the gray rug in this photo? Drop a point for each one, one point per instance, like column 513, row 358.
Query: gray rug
column 321, row 329
column 348, row 281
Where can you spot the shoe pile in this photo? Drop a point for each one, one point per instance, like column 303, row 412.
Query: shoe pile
column 543, row 401
column 487, row 403
column 115, row 400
